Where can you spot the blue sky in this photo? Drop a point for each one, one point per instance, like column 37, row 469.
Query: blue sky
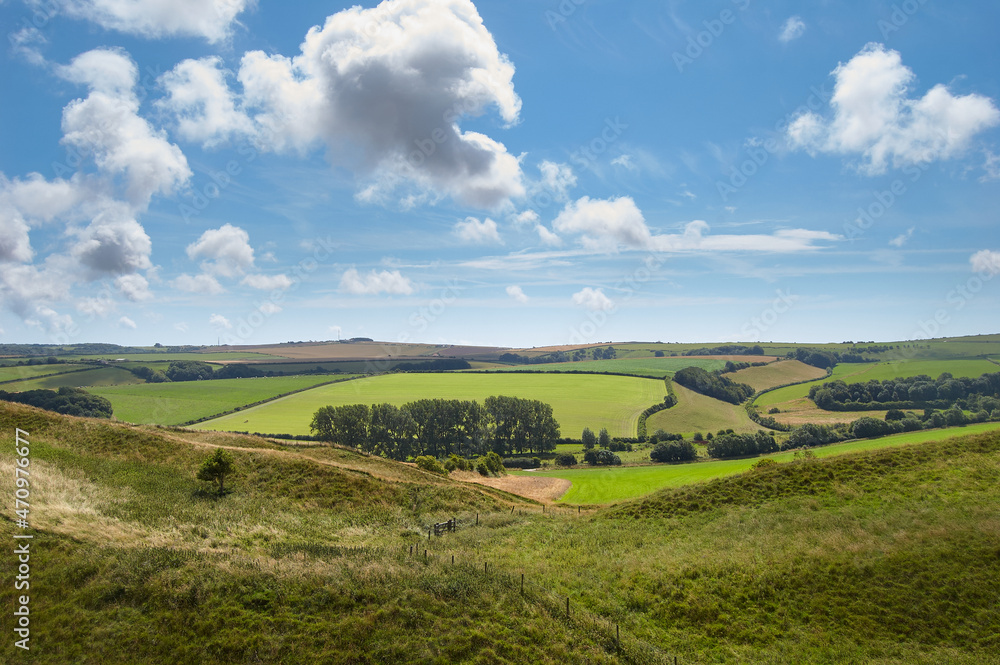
column 506, row 173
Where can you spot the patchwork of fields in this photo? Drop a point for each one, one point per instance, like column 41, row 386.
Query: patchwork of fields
column 605, row 485
column 594, row 401
column 697, row 413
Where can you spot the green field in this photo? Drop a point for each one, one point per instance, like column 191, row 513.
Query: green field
column 651, row 367
column 697, row 413
column 100, row 376
column 19, row 372
column 606, row 485
column 594, row 401
column 176, row 403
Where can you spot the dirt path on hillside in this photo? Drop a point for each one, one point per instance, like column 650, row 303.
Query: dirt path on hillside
column 539, row 488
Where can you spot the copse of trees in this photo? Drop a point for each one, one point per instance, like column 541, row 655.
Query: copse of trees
column 713, row 385
column 601, row 458
column 68, row 401
column 439, row 427
column 189, row 370
column 740, row 445
column 673, row 451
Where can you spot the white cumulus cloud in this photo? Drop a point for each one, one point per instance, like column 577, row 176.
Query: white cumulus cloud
column 205, row 284
column 593, row 299
column 986, row 261
column 385, row 89
column 517, row 293
column 126, row 322
column 220, row 322
column 478, row 232
column 875, row 119
column 374, row 283
column 211, row 20
column 224, row 251
column 199, row 98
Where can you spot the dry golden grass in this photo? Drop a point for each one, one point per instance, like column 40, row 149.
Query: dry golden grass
column 538, row 488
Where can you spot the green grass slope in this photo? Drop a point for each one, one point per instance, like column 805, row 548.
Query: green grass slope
column 695, row 412
column 652, row 367
column 99, row 376
column 889, row 556
column 593, row 401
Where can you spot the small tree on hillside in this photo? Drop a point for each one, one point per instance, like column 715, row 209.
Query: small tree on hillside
column 604, row 439
column 216, row 468
column 588, row 438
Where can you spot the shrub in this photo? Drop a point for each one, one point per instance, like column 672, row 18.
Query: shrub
column 774, row 409
column 482, row 468
column 698, row 437
column 565, row 459
column 764, row 463
column 428, row 463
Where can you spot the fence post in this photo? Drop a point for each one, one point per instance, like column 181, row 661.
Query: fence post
column 477, row 519
column 522, row 584
column 453, row 559
column 512, row 509
column 485, row 563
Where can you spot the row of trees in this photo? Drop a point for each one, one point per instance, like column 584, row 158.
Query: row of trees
column 972, row 394
column 739, row 445
column 440, row 427
column 712, row 384
column 727, row 350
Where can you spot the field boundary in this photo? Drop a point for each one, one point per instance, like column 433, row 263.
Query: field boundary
column 46, row 376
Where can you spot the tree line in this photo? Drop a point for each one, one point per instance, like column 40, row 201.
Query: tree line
column 441, row 427
column 914, row 392
column 712, row 384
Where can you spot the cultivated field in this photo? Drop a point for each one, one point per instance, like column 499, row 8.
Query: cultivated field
column 777, row 373
column 594, row 401
column 182, row 402
column 697, row 413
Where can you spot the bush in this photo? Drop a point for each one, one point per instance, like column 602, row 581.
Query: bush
column 773, row 410
column 737, row 445
column 565, row 459
column 764, row 463
column 455, row 462
column 482, row 468
column 428, row 463
column 698, row 437
column 521, row 462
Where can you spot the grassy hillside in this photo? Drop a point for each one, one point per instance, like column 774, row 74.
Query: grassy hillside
column 593, row 401
column 695, row 412
column 175, row 403
column 776, row 374
column 879, row 557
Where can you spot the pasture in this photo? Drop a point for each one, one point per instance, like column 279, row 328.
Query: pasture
column 182, row 402
column 578, row 401
column 606, row 485
column 695, row 412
